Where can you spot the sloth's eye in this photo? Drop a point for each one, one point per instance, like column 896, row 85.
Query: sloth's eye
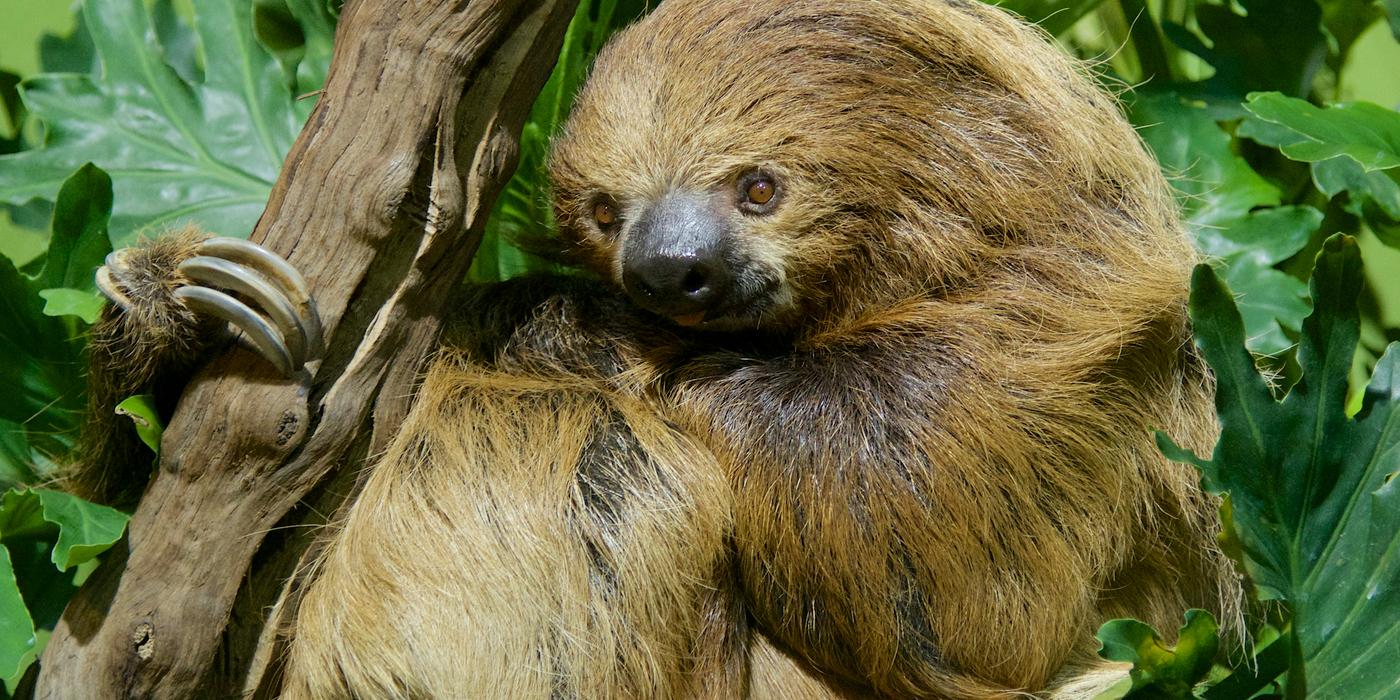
column 605, row 215
column 758, row 193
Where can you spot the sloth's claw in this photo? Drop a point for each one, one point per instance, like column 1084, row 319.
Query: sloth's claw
column 218, row 272
column 108, row 286
column 281, row 322
column 280, row 272
column 267, row 339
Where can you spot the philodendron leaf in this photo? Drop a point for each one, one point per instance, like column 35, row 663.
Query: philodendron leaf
column 1159, row 670
column 45, row 526
column 84, row 304
column 79, row 242
column 40, row 355
column 1365, row 132
column 17, row 638
column 1315, row 509
column 1374, row 193
column 85, row 529
column 205, row 152
column 1246, row 252
column 1214, row 185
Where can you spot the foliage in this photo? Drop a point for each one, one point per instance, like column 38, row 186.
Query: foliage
column 184, row 140
column 69, row 532
column 1314, row 506
column 1242, row 101
column 1160, row 670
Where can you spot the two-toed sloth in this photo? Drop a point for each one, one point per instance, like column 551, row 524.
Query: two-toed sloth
column 889, row 300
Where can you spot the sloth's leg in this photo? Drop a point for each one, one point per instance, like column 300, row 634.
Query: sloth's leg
column 171, row 298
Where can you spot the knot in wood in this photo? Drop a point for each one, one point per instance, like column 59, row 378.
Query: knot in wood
column 143, row 641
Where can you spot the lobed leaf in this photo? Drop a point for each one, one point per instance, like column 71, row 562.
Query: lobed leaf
column 177, row 150
column 1159, row 670
column 1314, row 504
column 1222, row 199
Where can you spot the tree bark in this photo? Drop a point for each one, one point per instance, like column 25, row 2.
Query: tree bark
column 381, row 204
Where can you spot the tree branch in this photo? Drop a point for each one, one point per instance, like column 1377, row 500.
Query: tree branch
column 381, row 204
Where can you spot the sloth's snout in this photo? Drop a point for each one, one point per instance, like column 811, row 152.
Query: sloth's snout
column 674, row 261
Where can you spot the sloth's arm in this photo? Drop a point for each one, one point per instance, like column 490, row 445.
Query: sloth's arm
column 165, row 312
column 902, row 513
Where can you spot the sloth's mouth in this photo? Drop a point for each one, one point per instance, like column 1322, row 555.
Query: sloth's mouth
column 749, row 305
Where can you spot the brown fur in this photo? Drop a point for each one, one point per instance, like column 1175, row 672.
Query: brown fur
column 926, row 471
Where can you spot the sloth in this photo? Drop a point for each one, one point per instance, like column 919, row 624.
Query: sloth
column 879, row 304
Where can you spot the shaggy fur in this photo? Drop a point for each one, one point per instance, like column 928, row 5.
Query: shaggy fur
column 921, row 467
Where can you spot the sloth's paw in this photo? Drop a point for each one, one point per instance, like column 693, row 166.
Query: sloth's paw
column 249, row 286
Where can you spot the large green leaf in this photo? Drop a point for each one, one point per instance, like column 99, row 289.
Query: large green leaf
column 1348, row 146
column 1362, row 131
column 1159, row 670
column 17, row 633
column 523, row 209
column 1214, row 184
column 1315, row 509
column 178, row 151
column 85, row 529
column 45, row 533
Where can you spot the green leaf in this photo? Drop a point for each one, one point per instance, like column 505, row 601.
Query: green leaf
column 142, row 411
column 1314, row 506
column 40, row 367
column 1160, row 671
column 17, row 639
column 1244, row 48
column 1218, row 193
column 1214, row 185
column 176, row 151
column 85, row 529
column 40, row 355
column 1362, row 131
column 79, row 242
column 1055, row 16
column 73, row 302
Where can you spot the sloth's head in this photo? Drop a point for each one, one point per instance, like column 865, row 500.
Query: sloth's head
column 734, row 165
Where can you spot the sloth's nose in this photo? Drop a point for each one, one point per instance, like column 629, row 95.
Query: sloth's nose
column 674, row 262
column 677, row 285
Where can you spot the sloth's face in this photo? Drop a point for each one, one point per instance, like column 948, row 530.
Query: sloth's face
column 703, row 256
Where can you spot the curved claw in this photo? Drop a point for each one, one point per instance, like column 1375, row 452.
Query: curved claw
column 109, row 286
column 281, row 273
column 267, row 339
column 218, row 272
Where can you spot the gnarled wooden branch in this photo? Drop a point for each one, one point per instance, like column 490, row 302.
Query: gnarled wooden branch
column 381, row 203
